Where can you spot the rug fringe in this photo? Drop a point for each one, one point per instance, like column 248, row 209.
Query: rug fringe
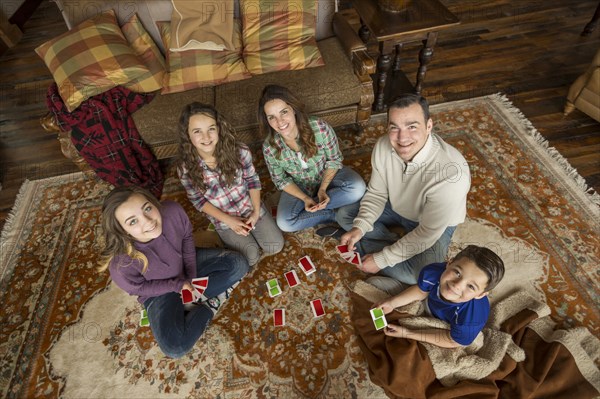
column 10, row 221
column 579, row 181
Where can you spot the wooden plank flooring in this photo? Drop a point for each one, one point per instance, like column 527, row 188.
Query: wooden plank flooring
column 531, row 50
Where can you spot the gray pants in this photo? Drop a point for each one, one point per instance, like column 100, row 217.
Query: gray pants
column 265, row 236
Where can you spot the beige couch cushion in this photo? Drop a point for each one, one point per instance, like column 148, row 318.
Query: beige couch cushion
column 331, row 86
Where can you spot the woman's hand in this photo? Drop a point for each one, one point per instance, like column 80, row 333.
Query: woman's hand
column 238, row 225
column 309, row 204
column 253, row 218
column 323, row 199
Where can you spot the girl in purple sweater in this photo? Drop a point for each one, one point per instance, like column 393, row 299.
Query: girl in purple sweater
column 149, row 251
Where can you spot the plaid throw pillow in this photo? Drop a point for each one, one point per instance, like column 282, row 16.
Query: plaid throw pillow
column 144, row 47
column 279, row 35
column 193, row 69
column 90, row 59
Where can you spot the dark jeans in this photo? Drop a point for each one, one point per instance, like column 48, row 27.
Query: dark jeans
column 175, row 330
column 380, row 237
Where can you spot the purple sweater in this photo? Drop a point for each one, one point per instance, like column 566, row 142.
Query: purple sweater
column 171, row 258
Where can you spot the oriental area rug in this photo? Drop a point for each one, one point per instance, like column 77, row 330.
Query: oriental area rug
column 67, row 331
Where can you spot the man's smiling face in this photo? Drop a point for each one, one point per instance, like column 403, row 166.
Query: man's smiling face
column 408, row 130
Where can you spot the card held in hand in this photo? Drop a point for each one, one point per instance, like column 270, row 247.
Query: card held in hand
column 186, row 296
column 378, row 318
column 200, row 284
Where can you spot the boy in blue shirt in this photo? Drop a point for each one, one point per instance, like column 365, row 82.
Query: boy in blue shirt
column 456, row 293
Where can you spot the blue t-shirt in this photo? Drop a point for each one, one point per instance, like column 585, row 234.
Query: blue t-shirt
column 466, row 319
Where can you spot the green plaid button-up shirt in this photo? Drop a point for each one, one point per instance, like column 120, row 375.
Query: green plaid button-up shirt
column 288, row 169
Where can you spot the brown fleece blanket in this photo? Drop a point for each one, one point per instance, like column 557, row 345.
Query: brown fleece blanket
column 519, row 354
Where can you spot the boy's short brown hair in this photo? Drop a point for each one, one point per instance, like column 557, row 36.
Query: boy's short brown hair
column 487, row 260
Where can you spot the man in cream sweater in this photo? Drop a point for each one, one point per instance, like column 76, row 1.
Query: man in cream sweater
column 420, row 183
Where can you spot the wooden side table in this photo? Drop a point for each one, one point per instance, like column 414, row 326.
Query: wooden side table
column 420, row 20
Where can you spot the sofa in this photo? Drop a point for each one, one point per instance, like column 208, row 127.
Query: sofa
column 584, row 93
column 340, row 91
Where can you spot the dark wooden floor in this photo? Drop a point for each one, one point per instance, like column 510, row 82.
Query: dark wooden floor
column 530, row 50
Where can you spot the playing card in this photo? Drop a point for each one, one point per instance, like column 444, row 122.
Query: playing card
column 144, row 321
column 278, row 317
column 273, row 288
column 274, row 211
column 342, row 249
column 378, row 318
column 317, row 307
column 211, row 227
column 356, row 259
column 186, row 296
column 307, row 265
column 200, row 284
column 292, row 278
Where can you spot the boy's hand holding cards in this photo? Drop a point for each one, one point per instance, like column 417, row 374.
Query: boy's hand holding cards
column 349, row 256
column 378, row 318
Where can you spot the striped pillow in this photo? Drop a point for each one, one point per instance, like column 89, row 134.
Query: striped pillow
column 279, row 35
column 193, row 69
column 144, row 47
column 90, row 59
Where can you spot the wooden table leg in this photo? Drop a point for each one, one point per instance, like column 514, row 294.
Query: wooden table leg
column 424, row 58
column 383, row 66
column 396, row 66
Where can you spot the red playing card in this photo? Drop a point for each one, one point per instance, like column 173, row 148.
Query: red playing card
column 274, row 211
column 200, row 282
column 342, row 249
column 317, row 307
column 356, row 260
column 307, row 266
column 187, row 296
column 292, row 278
column 278, row 317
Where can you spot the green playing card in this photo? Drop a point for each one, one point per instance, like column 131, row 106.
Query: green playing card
column 275, row 291
column 377, row 312
column 144, row 321
column 273, row 283
column 379, row 323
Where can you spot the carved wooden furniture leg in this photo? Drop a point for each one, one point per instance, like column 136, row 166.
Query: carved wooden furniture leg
column 383, row 66
column 591, row 26
column 569, row 107
column 396, row 67
column 424, row 58
column 66, row 146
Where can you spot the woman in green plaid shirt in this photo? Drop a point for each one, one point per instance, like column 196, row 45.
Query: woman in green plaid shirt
column 304, row 161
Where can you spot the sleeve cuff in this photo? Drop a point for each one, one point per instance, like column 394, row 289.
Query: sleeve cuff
column 363, row 226
column 380, row 260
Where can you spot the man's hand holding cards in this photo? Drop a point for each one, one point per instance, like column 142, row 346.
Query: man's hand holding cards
column 349, row 256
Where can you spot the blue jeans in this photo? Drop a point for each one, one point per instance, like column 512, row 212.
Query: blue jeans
column 380, row 237
column 347, row 187
column 175, row 330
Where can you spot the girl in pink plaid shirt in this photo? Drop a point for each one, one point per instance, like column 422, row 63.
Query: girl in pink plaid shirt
column 220, row 180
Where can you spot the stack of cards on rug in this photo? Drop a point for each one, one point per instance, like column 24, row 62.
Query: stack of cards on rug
column 199, row 284
column 348, row 255
column 144, row 321
column 273, row 288
column 279, row 317
column 292, row 278
column 317, row 307
column 307, row 265
column 378, row 318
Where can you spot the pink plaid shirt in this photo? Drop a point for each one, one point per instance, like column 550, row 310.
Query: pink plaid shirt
column 233, row 200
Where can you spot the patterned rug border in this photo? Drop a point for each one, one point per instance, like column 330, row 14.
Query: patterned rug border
column 550, row 156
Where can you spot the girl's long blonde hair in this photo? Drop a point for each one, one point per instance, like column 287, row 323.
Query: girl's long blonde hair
column 116, row 240
column 227, row 151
